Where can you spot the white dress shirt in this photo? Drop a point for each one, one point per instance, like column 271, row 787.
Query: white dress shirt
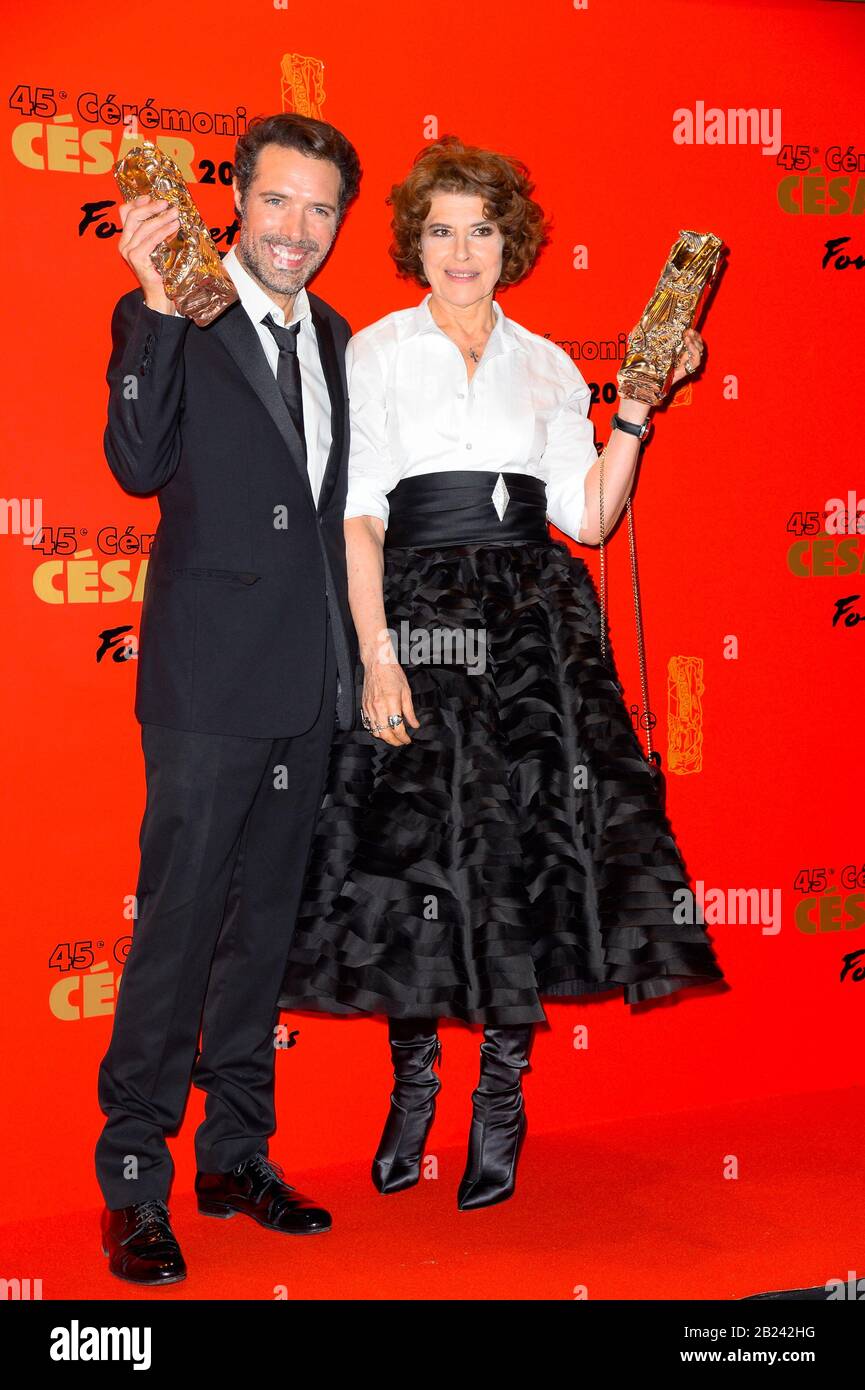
column 316, row 400
column 413, row 410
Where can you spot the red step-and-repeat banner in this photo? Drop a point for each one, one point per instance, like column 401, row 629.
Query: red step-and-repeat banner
column 637, row 121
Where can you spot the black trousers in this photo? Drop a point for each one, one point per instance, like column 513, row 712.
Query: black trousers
column 224, row 842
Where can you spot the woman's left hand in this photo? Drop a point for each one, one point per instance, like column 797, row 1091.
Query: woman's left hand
column 691, row 357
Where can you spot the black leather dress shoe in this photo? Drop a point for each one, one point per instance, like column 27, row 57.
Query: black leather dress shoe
column 256, row 1188
column 140, row 1244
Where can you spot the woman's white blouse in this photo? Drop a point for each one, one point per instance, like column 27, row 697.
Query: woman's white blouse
column 413, row 410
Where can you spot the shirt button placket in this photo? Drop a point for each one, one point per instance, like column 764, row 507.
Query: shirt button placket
column 461, row 395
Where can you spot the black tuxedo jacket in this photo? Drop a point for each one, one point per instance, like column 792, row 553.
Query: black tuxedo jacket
column 245, row 568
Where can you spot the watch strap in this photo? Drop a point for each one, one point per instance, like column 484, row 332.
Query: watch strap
column 630, row 427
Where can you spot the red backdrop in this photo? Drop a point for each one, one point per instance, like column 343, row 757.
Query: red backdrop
column 627, row 115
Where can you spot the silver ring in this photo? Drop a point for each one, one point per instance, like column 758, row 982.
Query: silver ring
column 364, row 719
column 394, row 720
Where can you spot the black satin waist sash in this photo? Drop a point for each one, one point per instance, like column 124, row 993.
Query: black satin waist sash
column 457, row 508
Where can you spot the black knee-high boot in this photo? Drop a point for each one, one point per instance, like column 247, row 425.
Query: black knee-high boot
column 498, row 1118
column 414, row 1049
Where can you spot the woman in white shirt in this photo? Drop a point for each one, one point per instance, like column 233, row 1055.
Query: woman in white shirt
column 493, row 835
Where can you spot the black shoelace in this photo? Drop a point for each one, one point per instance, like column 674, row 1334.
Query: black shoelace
column 151, row 1211
column 265, row 1168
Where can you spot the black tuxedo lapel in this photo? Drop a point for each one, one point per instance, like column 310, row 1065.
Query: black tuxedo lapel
column 333, row 378
column 235, row 331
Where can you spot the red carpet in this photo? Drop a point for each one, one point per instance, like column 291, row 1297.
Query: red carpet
column 628, row 1211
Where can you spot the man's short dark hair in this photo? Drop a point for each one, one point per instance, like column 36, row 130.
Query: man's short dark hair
column 315, row 139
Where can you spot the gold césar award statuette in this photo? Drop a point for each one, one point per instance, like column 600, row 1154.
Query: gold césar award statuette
column 656, row 342
column 189, row 263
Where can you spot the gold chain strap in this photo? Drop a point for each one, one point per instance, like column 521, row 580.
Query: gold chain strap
column 638, row 616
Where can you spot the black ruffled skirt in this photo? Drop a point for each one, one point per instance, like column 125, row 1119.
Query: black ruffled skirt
column 517, row 849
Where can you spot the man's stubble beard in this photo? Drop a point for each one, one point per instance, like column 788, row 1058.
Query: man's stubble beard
column 287, row 282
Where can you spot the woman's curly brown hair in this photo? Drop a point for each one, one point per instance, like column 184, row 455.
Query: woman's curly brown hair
column 449, row 166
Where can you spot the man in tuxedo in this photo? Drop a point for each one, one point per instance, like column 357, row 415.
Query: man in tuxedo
column 245, row 666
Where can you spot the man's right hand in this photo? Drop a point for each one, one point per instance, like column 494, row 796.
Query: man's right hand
column 146, row 222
